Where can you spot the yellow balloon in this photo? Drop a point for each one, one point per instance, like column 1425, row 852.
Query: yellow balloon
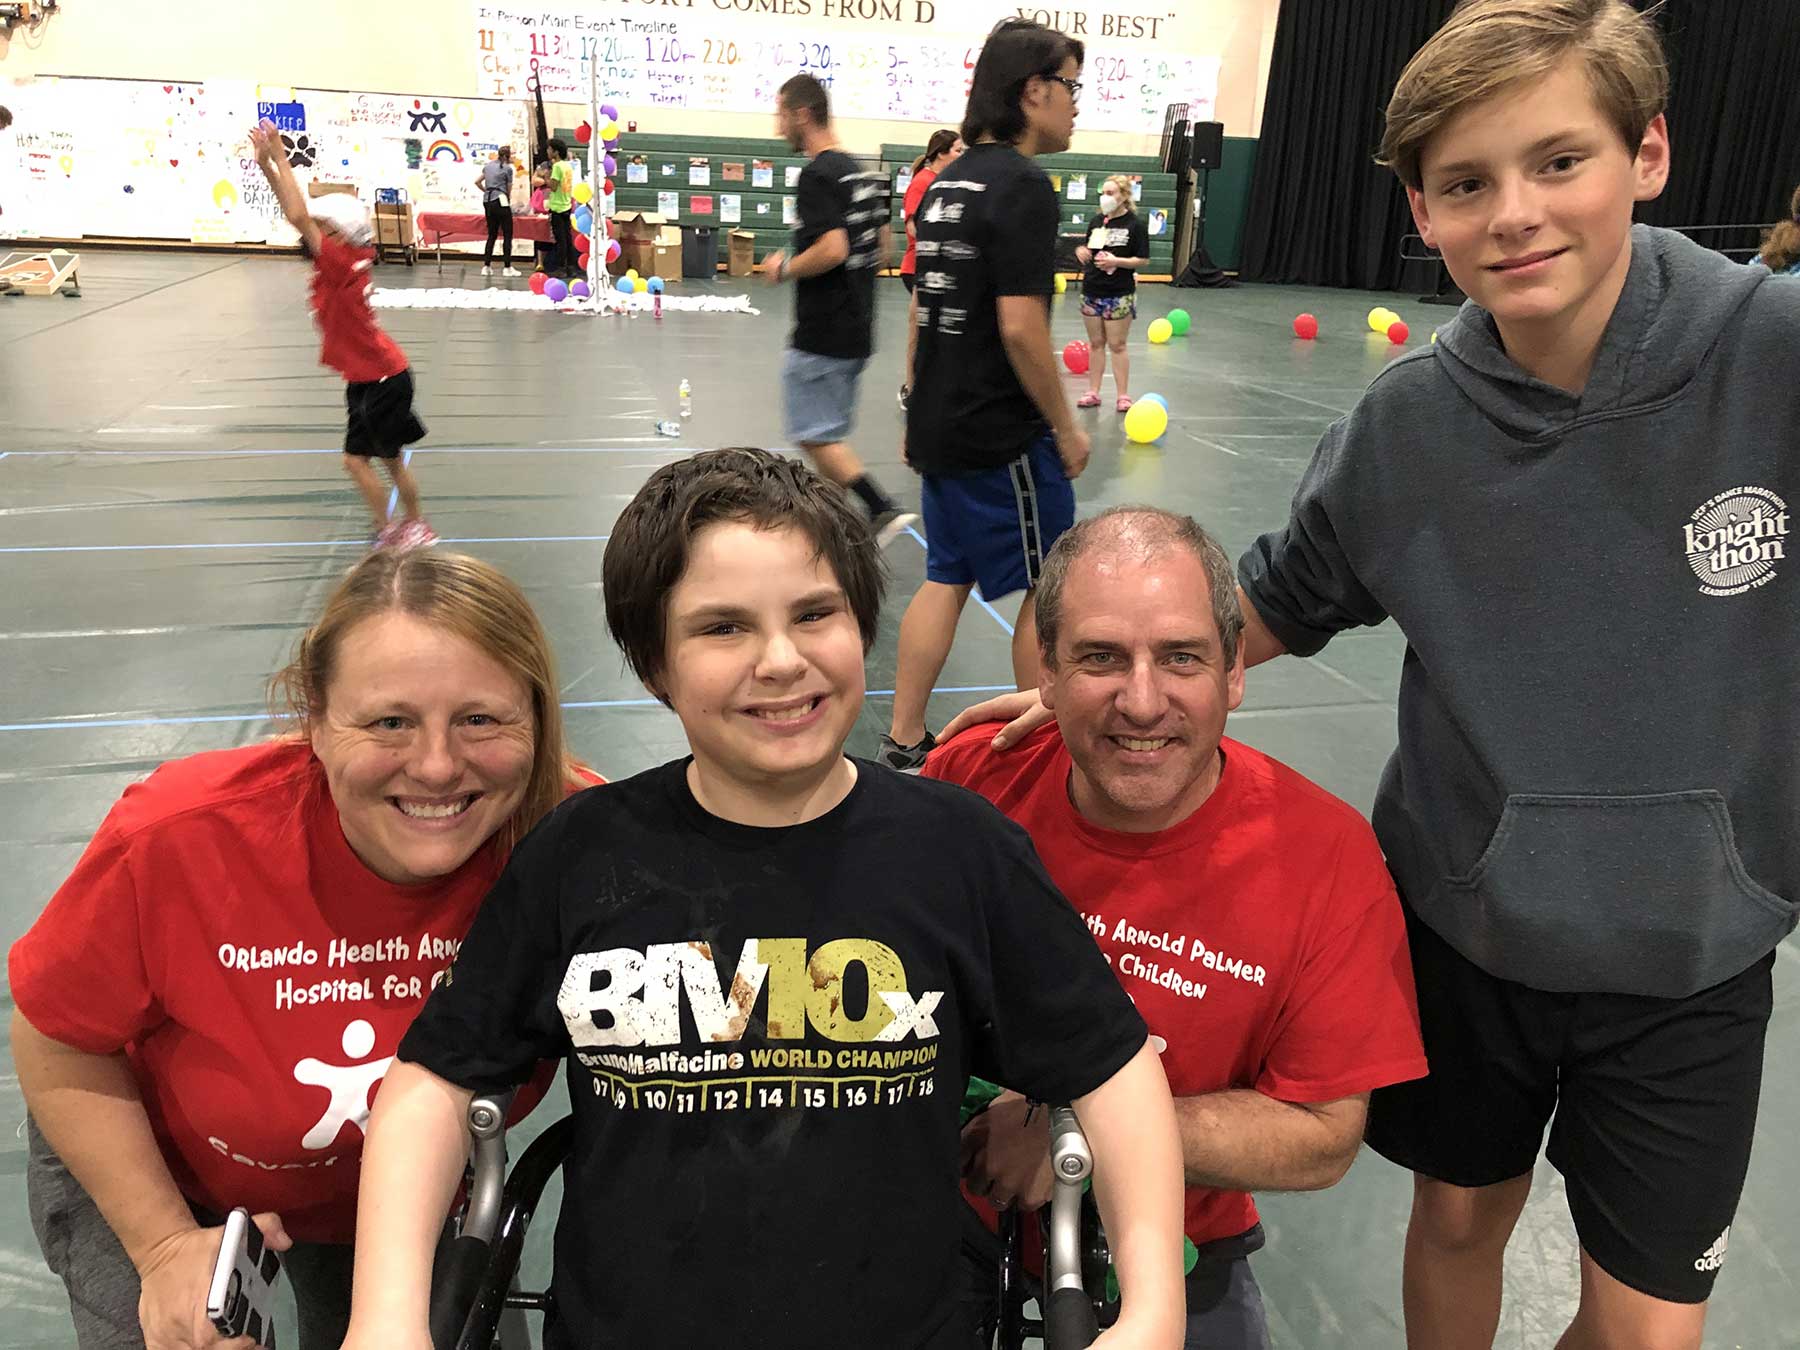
column 609, row 131
column 1161, row 330
column 631, row 273
column 583, row 193
column 639, row 285
column 1145, row 421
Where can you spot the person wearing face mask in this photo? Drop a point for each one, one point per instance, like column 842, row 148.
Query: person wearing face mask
column 1117, row 245
column 205, row 1007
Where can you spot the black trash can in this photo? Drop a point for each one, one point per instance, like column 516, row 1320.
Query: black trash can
column 699, row 252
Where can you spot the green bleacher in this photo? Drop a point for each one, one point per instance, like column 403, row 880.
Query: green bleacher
column 761, row 208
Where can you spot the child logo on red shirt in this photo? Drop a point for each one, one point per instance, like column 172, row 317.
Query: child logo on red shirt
column 349, row 1085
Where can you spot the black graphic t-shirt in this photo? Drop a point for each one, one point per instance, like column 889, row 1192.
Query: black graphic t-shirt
column 834, row 312
column 1123, row 236
column 986, row 229
column 767, row 1034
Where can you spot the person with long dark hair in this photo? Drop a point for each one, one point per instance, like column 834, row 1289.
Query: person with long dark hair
column 988, row 424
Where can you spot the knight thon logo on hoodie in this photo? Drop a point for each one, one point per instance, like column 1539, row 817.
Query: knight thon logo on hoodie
column 1735, row 539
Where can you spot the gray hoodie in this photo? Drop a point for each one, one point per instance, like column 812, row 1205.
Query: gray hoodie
column 1597, row 785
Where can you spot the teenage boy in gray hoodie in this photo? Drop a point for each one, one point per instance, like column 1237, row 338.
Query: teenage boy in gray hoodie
column 1575, row 506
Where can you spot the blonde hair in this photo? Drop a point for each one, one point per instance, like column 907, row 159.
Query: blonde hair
column 1490, row 46
column 1122, row 183
column 1781, row 245
column 460, row 595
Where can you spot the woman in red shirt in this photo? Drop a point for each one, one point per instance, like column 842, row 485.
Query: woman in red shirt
column 205, row 1007
column 940, row 152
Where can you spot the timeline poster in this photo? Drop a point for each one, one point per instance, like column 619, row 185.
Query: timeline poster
column 731, row 208
column 668, row 204
column 762, row 174
column 699, row 171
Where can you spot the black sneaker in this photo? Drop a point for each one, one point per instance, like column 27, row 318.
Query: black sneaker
column 905, row 393
column 905, row 758
column 889, row 525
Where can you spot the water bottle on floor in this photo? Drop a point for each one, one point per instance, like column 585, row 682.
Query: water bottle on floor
column 668, row 428
column 687, row 399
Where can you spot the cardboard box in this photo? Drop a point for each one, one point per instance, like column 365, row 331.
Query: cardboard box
column 666, row 255
column 741, row 257
column 638, row 231
column 393, row 225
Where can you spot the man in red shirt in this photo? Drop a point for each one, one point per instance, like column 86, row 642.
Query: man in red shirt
column 335, row 234
column 1248, row 912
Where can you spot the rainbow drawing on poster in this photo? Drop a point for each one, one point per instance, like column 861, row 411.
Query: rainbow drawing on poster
column 445, row 150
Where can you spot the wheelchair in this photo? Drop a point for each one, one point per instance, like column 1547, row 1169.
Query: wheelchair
column 474, row 1280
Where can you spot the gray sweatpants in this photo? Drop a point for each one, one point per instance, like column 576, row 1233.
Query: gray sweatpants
column 82, row 1251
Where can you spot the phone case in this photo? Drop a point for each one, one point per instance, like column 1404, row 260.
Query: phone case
column 241, row 1299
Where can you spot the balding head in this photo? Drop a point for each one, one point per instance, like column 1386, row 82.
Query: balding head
column 1143, row 534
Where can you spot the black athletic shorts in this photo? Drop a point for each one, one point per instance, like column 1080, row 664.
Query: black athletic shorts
column 1654, row 1105
column 382, row 420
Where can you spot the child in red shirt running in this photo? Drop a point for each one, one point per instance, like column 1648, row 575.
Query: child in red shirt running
column 334, row 232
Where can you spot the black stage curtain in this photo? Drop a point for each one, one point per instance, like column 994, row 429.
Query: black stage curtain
column 1323, row 213
column 1734, row 115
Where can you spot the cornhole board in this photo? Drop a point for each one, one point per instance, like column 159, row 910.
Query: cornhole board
column 39, row 273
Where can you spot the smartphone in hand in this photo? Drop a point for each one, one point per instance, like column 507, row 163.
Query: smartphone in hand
column 241, row 1299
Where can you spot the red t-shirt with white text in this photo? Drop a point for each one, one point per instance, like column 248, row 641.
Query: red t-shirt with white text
column 220, row 930
column 1260, row 938
column 353, row 343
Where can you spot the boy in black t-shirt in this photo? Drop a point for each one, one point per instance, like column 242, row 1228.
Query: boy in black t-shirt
column 838, row 245
column 769, row 999
column 987, row 423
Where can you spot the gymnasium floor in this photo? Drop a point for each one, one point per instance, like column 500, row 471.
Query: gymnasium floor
column 172, row 510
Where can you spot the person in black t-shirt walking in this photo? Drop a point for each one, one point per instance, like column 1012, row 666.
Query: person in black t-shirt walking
column 840, row 241
column 1117, row 245
column 988, row 424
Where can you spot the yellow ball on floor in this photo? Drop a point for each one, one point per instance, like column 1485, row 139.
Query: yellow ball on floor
column 1381, row 319
column 1161, row 330
column 1061, row 283
column 1146, row 420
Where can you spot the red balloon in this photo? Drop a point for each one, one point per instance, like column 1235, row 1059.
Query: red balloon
column 1305, row 326
column 1398, row 333
column 609, row 187
column 584, row 133
column 1075, row 357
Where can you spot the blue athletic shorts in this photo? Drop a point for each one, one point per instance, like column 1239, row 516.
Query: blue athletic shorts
column 991, row 530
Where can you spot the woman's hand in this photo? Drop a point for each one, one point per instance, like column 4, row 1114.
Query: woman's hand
column 175, row 1275
column 1023, row 712
column 1106, row 262
column 1083, row 254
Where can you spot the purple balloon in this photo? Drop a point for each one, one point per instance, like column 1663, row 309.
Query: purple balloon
column 580, row 290
column 607, row 110
column 613, row 144
column 611, row 165
column 555, row 292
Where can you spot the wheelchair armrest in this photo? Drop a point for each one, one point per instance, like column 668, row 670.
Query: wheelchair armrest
column 1069, row 1317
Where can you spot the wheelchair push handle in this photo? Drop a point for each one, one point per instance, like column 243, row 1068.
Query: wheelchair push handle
column 1069, row 1318
column 487, row 1126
